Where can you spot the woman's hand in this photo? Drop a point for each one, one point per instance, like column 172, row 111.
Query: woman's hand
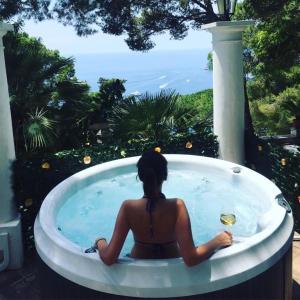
column 101, row 244
column 224, row 239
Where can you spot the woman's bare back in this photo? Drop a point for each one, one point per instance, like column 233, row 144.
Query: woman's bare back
column 163, row 243
column 164, row 218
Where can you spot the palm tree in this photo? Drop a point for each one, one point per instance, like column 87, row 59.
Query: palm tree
column 153, row 117
column 38, row 79
column 38, row 130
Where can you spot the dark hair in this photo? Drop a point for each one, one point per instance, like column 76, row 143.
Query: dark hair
column 152, row 171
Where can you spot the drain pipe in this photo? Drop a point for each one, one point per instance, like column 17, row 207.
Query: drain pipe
column 11, row 247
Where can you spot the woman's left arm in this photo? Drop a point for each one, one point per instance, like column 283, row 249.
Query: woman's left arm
column 109, row 253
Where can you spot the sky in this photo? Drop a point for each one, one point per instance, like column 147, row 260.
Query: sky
column 55, row 36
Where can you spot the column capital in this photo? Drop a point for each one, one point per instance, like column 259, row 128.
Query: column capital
column 227, row 26
column 4, row 28
column 227, row 31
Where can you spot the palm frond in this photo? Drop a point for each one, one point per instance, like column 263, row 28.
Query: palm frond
column 38, row 130
column 149, row 116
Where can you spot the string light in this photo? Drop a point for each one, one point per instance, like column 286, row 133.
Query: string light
column 188, row 145
column 45, row 165
column 157, row 149
column 283, row 161
column 259, row 148
column 87, row 160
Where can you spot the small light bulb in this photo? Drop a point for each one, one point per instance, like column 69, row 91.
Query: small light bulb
column 87, row 160
column 283, row 161
column 259, row 148
column 45, row 165
column 157, row 149
column 188, row 145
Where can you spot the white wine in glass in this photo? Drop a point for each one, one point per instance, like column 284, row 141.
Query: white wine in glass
column 227, row 219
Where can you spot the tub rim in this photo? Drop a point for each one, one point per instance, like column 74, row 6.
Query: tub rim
column 45, row 223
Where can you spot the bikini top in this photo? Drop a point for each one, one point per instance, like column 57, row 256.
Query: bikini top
column 158, row 249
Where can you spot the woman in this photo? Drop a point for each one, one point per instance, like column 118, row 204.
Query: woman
column 161, row 227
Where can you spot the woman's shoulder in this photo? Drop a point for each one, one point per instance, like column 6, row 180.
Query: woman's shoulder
column 178, row 201
column 136, row 203
column 132, row 203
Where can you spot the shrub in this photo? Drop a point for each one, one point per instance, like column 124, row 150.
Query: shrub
column 282, row 167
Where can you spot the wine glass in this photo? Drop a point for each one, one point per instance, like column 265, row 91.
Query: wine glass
column 227, row 217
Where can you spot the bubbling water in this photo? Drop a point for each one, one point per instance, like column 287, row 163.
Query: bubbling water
column 91, row 211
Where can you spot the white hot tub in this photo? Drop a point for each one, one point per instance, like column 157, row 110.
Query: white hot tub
column 228, row 267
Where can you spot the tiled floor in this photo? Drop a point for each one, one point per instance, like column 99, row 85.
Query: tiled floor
column 24, row 283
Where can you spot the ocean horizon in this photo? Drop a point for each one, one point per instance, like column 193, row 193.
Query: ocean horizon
column 184, row 71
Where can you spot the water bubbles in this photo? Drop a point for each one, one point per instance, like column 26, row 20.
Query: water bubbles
column 203, row 187
column 86, row 214
column 85, row 210
column 205, row 180
column 197, row 188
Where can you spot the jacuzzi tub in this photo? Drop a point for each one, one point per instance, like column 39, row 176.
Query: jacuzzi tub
column 169, row 277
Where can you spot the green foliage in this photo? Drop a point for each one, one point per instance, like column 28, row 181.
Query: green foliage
column 274, row 41
column 210, row 61
column 111, row 94
column 285, row 176
column 272, row 59
column 38, row 130
column 34, row 176
column 201, row 103
column 38, row 79
column 139, row 20
column 37, row 9
column 32, row 70
column 42, row 81
column 151, row 117
column 275, row 114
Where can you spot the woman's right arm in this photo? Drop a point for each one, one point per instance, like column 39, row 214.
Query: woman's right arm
column 194, row 255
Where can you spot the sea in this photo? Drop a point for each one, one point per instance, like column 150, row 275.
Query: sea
column 184, row 71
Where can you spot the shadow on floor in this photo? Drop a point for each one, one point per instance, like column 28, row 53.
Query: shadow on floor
column 296, row 290
column 22, row 283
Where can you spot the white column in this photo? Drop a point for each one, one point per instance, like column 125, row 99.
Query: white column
column 10, row 225
column 7, row 149
column 228, row 87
